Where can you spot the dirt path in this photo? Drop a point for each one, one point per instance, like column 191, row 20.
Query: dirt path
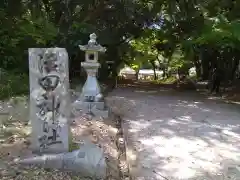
column 178, row 135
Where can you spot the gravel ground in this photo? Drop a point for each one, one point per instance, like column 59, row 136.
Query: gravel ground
column 178, row 135
column 15, row 140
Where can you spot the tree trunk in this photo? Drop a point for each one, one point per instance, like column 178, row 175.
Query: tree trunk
column 234, row 69
column 113, row 54
column 205, row 58
column 169, row 60
column 164, row 73
column 197, row 65
column 154, row 69
column 205, row 69
column 104, row 72
column 198, row 70
column 137, row 73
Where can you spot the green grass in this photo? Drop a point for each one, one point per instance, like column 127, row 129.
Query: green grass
column 169, row 80
column 13, row 84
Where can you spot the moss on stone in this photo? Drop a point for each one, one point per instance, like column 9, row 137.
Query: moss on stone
column 72, row 145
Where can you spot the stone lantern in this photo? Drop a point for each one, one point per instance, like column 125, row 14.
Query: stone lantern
column 92, row 49
column 91, row 97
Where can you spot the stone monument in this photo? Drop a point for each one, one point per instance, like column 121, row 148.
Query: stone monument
column 88, row 161
column 49, row 99
column 91, row 100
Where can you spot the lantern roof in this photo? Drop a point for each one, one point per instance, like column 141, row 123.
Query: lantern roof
column 92, row 45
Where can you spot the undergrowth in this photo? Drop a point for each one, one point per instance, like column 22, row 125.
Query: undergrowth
column 13, row 84
column 169, row 80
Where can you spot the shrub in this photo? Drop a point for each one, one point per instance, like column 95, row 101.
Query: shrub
column 13, row 84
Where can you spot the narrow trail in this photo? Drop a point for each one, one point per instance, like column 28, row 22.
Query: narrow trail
column 178, row 135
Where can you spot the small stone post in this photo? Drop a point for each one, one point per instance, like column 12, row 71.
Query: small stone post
column 49, row 99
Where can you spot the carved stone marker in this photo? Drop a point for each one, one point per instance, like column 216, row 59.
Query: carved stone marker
column 88, row 161
column 49, row 99
column 91, row 100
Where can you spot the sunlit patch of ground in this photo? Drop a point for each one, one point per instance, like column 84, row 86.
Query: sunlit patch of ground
column 179, row 135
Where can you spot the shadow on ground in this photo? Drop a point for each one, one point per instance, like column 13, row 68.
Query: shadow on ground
column 178, row 135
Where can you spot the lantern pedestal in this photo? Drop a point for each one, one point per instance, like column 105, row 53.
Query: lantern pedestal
column 91, row 86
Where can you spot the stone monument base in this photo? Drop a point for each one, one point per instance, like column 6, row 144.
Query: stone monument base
column 88, row 160
column 59, row 146
column 97, row 108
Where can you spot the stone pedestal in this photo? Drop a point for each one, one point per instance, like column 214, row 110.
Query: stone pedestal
column 49, row 99
column 87, row 161
column 91, row 99
column 91, row 86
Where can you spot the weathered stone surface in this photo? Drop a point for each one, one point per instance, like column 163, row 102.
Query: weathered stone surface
column 14, row 142
column 88, row 161
column 232, row 173
column 91, row 86
column 49, row 99
column 91, row 98
column 95, row 108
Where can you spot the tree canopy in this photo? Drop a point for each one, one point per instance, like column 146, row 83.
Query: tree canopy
column 160, row 33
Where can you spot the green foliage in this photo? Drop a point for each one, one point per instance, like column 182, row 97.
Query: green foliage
column 178, row 61
column 169, row 80
column 39, row 30
column 220, row 32
column 72, row 145
column 187, row 31
column 49, row 23
column 13, row 84
column 145, row 52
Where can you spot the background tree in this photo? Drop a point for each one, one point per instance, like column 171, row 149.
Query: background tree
column 204, row 34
